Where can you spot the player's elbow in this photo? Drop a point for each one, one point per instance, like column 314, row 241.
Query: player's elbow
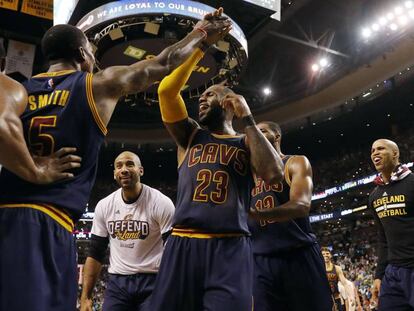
column 272, row 177
column 9, row 127
column 170, row 62
column 166, row 60
column 165, row 91
column 303, row 209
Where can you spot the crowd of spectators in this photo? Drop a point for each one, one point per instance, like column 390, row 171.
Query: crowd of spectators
column 352, row 241
column 353, row 248
column 98, row 292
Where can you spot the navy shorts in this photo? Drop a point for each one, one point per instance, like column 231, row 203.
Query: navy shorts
column 128, row 292
column 397, row 289
column 204, row 274
column 38, row 270
column 292, row 281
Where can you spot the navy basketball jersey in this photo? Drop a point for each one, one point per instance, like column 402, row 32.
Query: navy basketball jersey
column 269, row 237
column 333, row 281
column 61, row 112
column 213, row 185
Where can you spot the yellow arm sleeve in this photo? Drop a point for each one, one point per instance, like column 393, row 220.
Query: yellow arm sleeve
column 172, row 105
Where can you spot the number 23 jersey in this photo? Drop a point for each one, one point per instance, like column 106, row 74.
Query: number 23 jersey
column 214, row 184
column 61, row 112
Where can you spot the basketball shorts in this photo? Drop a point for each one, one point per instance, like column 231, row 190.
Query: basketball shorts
column 204, row 274
column 38, row 269
column 292, row 281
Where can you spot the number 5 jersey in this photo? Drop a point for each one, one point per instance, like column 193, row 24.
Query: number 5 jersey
column 61, row 112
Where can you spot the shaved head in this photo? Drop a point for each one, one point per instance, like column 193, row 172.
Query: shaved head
column 220, row 89
column 389, row 143
column 385, row 155
column 129, row 155
column 128, row 171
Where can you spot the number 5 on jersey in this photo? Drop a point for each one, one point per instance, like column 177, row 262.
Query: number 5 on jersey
column 41, row 144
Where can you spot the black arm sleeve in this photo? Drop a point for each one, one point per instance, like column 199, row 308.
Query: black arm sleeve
column 165, row 236
column 97, row 247
column 382, row 246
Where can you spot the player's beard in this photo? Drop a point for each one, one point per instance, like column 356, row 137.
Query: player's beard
column 214, row 118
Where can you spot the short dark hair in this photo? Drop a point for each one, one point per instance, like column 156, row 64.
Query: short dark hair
column 62, row 42
column 273, row 126
column 325, row 249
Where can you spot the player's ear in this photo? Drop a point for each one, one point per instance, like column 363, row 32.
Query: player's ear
column 80, row 55
column 141, row 171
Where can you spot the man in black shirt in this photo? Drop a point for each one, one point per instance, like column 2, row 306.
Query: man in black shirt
column 392, row 202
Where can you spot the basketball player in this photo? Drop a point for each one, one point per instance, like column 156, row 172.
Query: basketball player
column 286, row 253
column 207, row 262
column 132, row 220
column 68, row 106
column 39, row 170
column 335, row 275
column 392, row 203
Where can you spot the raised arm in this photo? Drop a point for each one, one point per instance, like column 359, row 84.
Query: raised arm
column 299, row 171
column 15, row 155
column 112, row 83
column 172, row 106
column 264, row 159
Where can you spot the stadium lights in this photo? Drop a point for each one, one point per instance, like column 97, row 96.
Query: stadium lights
column 397, row 18
column 394, row 26
column 366, row 32
column 375, row 27
column 323, row 62
column 315, row 67
column 403, row 20
column 390, row 16
column 320, row 65
column 267, row 91
column 382, row 21
column 398, row 10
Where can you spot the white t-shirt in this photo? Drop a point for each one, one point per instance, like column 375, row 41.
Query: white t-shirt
column 134, row 230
